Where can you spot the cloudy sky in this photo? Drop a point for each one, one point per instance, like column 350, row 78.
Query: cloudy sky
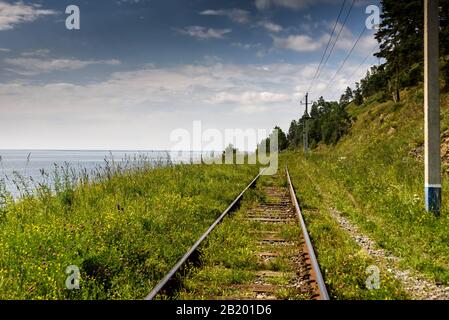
column 139, row 69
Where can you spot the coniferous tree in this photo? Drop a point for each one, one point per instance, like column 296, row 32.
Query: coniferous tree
column 358, row 98
column 282, row 139
column 401, row 40
column 401, row 47
column 347, row 96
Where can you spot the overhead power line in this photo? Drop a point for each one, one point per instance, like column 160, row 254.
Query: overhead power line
column 327, row 47
column 347, row 57
column 338, row 37
column 363, row 62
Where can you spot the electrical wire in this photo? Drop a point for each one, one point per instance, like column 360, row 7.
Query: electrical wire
column 363, row 62
column 347, row 57
column 328, row 44
column 338, row 36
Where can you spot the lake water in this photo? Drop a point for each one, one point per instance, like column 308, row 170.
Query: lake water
column 29, row 163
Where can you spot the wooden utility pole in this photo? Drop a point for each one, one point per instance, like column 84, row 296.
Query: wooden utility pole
column 432, row 107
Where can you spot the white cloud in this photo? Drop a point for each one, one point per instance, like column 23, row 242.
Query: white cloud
column 270, row 26
column 34, row 66
column 300, row 43
column 4, row 50
column 36, row 53
column 251, row 109
column 196, row 85
column 261, row 51
column 236, row 15
column 305, row 43
column 348, row 38
column 247, row 46
column 290, row 4
column 203, row 32
column 366, row 44
column 14, row 14
column 139, row 109
column 250, row 98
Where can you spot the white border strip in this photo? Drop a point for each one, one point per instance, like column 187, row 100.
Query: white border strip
column 433, row 186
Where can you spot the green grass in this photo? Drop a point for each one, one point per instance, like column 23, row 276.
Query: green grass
column 127, row 230
column 228, row 256
column 343, row 263
column 373, row 178
column 123, row 232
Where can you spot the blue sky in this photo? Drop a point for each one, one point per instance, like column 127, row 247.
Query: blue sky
column 139, row 69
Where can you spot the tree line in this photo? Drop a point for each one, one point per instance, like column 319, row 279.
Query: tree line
column 401, row 46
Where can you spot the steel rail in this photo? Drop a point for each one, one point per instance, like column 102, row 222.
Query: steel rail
column 164, row 282
column 315, row 272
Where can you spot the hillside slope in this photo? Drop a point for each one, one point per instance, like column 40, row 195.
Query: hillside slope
column 374, row 177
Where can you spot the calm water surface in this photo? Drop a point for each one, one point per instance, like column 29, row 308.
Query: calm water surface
column 29, row 163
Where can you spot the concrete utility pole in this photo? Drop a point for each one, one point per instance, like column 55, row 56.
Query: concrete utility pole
column 432, row 107
column 306, row 126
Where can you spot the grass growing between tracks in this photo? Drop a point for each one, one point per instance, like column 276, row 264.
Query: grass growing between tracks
column 230, row 266
column 124, row 232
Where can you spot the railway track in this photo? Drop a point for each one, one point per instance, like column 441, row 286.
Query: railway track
column 284, row 265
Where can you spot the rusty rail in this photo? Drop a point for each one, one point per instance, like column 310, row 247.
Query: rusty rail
column 192, row 254
column 193, row 251
column 315, row 271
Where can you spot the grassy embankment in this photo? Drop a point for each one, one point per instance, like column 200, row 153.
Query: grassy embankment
column 228, row 255
column 374, row 177
column 124, row 232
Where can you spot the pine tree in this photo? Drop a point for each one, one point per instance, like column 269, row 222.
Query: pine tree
column 347, row 96
column 401, row 39
column 282, row 139
column 358, row 98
